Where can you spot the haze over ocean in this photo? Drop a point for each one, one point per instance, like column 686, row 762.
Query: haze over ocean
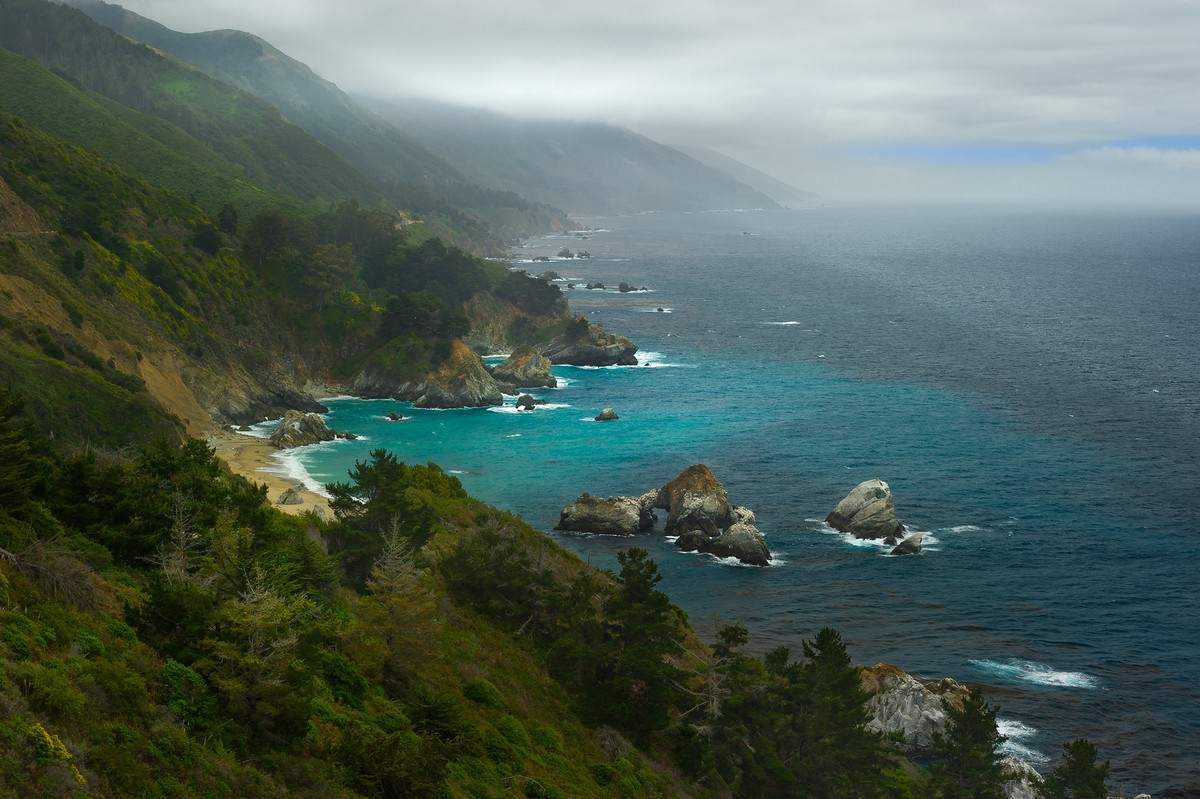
column 1027, row 382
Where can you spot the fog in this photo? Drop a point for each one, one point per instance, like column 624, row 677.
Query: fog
column 1058, row 101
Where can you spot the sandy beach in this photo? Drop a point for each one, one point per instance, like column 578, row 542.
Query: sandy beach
column 253, row 458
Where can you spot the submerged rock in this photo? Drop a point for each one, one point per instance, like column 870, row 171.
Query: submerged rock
column 868, row 512
column 611, row 516
column 525, row 368
column 591, row 347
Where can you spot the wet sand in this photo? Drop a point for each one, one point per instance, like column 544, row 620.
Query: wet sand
column 253, row 458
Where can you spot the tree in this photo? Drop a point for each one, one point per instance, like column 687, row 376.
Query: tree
column 227, row 218
column 635, row 679
column 967, row 764
column 1077, row 776
column 327, row 273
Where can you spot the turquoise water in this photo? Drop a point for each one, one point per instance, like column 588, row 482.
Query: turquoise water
column 1028, row 384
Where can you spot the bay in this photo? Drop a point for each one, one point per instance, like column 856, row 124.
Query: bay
column 1028, row 383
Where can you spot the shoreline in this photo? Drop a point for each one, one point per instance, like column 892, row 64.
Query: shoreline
column 255, row 459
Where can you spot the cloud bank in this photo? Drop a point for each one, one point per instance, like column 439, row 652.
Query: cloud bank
column 860, row 97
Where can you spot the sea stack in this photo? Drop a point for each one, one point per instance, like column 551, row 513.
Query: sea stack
column 868, row 512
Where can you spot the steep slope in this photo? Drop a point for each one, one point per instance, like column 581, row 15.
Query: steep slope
column 588, row 169
column 777, row 190
column 412, row 175
column 153, row 149
column 237, row 127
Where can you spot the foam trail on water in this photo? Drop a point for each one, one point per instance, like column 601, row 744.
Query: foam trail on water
column 1035, row 673
column 1019, row 735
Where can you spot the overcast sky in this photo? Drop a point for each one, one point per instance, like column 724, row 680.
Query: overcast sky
column 1030, row 100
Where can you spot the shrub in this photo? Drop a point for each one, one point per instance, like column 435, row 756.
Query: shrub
column 484, row 693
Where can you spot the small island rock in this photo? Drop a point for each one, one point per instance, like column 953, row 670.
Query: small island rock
column 867, row 512
column 909, row 546
column 611, row 516
column 607, row 415
column 299, row 429
column 527, row 402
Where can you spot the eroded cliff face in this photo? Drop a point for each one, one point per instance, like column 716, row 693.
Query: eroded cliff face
column 592, row 347
column 460, row 382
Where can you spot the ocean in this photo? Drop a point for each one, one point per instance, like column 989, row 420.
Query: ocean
column 1026, row 381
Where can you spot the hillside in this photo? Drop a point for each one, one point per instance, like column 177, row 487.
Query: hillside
column 409, row 173
column 587, row 169
column 777, row 190
column 270, row 152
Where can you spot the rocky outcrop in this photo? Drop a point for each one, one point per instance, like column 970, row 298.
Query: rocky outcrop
column 695, row 500
column 868, row 512
column 910, row 546
column 611, row 516
column 741, row 540
column 292, row 496
column 298, row 429
column 525, row 368
column 1021, row 779
column 607, row 415
column 591, row 347
column 461, row 382
column 527, row 402
column 899, row 703
column 699, row 514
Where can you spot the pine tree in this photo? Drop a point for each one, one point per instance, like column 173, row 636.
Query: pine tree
column 968, row 765
column 1077, row 776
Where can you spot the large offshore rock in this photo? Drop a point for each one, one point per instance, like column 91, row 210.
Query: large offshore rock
column 525, row 368
column 610, row 516
column 460, row 382
column 592, row 347
column 695, row 500
column 867, row 512
column 299, row 429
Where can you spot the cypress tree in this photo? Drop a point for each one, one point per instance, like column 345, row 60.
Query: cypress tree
column 968, row 765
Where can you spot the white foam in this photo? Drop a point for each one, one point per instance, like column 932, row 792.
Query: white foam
column 1035, row 673
column 964, row 528
column 513, row 409
column 656, row 310
column 782, row 324
column 513, row 435
column 1018, row 735
column 286, row 463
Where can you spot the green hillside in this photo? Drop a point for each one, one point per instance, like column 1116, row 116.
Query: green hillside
column 409, row 173
column 237, row 127
column 140, row 144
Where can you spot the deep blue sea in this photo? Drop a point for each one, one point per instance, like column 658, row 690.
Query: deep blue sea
column 1027, row 382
